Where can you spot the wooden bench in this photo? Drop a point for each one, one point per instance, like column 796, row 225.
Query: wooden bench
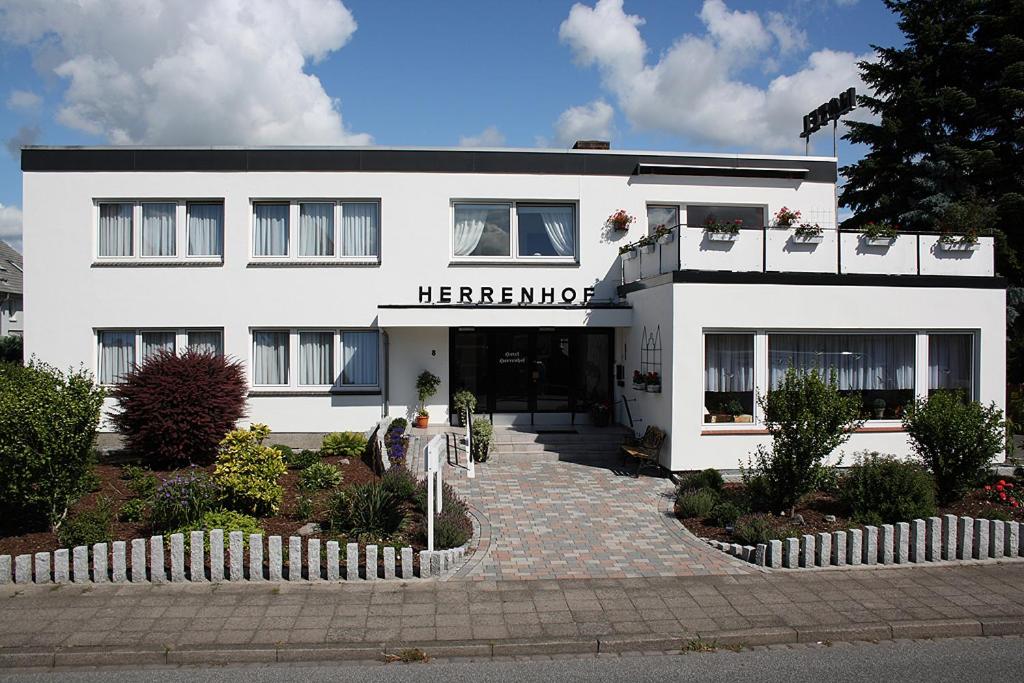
column 646, row 450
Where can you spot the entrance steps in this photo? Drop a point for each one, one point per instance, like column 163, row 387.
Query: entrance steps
column 551, row 444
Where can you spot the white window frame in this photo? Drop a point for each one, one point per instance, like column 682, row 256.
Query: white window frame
column 514, row 257
column 180, row 230
column 294, row 214
column 223, row 230
column 180, row 341
column 293, row 362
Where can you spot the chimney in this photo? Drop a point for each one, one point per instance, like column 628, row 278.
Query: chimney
column 591, row 144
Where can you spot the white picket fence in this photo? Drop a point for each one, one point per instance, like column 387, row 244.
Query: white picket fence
column 946, row 538
column 303, row 559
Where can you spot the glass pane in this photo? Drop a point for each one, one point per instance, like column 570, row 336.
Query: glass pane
column 115, row 238
column 751, row 216
column 470, row 366
column 155, row 342
column 270, row 236
column 359, row 358
column 270, row 357
column 592, row 383
column 158, row 229
column 316, row 358
column 482, row 230
column 206, row 341
column 728, row 377
column 546, row 230
column 359, row 228
column 951, row 363
column 511, row 372
column 552, row 371
column 661, row 216
column 316, row 229
column 205, row 229
column 117, row 355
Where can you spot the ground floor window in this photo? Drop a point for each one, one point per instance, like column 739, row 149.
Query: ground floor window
column 323, row 358
column 951, row 364
column 729, row 378
column 119, row 349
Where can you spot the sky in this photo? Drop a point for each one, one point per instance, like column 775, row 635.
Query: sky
column 686, row 75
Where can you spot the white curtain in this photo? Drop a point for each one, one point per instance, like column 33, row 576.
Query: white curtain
column 863, row 362
column 950, row 361
column 115, row 237
column 206, row 341
column 271, row 230
column 158, row 228
column 270, row 357
column 359, row 227
column 316, row 358
column 469, row 227
column 359, row 358
column 205, row 229
column 316, row 229
column 154, row 342
column 729, row 362
column 117, row 355
column 558, row 224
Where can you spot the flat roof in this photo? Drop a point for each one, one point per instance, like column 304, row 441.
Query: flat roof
column 107, row 158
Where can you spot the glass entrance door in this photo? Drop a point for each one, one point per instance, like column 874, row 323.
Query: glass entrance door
column 512, row 372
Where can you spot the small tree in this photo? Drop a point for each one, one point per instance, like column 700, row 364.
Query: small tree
column 48, row 422
column 955, row 439
column 426, row 386
column 177, row 408
column 807, row 418
column 247, row 471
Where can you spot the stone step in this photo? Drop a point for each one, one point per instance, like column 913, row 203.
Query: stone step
column 609, row 447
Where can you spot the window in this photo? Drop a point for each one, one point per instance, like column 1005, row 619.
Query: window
column 728, row 378
column 326, row 230
column 205, row 229
column 878, row 367
column 359, row 358
column 159, row 229
column 270, row 357
column 750, row 216
column 514, row 231
column 206, row 341
column 316, row 358
column 156, row 342
column 117, row 355
column 951, row 364
column 661, row 216
column 116, row 230
column 119, row 349
column 158, row 233
column 323, row 358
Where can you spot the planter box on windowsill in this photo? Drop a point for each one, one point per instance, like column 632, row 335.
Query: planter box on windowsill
column 721, row 236
column 879, row 241
column 959, row 246
column 629, row 255
column 808, row 239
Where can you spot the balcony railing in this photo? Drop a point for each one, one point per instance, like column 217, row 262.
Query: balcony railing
column 771, row 249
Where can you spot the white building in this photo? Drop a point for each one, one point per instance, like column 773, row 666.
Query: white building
column 12, row 310
column 339, row 274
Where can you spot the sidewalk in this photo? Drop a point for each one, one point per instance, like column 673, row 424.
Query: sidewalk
column 188, row 624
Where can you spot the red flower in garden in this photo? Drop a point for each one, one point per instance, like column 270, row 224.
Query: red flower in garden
column 1002, row 482
column 1002, row 496
column 1009, row 486
column 987, row 487
column 999, row 487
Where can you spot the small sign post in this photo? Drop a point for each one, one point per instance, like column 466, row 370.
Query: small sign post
column 432, row 457
column 470, row 466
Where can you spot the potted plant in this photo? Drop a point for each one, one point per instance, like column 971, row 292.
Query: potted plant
column 881, row 234
column 483, row 435
column 426, row 386
column 722, row 231
column 967, row 241
column 646, row 244
column 786, row 217
column 628, row 252
column 639, row 381
column 620, row 220
column 808, row 233
column 462, row 401
column 653, row 381
column 878, row 408
column 600, row 413
column 663, row 234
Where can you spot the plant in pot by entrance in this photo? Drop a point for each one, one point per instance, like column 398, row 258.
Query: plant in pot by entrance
column 653, row 381
column 483, row 436
column 462, row 401
column 722, row 231
column 878, row 408
column 426, row 386
column 620, row 220
column 639, row 381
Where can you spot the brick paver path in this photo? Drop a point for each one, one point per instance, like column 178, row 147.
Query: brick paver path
column 548, row 520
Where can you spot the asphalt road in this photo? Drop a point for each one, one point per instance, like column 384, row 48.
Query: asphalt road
column 932, row 661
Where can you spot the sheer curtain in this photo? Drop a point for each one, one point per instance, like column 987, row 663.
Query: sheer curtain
column 158, row 229
column 729, row 362
column 154, row 342
column 270, row 357
column 205, row 229
column 115, row 237
column 469, row 227
column 950, row 361
column 316, row 229
column 316, row 358
column 359, row 229
column 206, row 341
column 359, row 358
column 558, row 224
column 117, row 355
column 863, row 362
column 271, row 230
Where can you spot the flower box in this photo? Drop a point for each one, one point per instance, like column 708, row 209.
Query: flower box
column 653, row 388
column 629, row 255
column 639, row 386
column 666, row 238
column 647, row 248
column 808, row 239
column 721, row 236
column 959, row 246
column 879, row 241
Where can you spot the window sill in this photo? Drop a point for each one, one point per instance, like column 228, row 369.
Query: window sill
column 286, row 391
column 324, row 263
column 884, row 427
column 161, row 263
column 513, row 264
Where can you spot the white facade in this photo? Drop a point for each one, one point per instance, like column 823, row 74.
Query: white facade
column 75, row 294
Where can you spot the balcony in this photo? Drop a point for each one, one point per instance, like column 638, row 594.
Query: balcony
column 780, row 250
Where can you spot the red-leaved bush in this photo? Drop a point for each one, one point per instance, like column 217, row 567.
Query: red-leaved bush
column 175, row 409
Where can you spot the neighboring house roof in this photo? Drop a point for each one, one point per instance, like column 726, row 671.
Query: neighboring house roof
column 11, row 269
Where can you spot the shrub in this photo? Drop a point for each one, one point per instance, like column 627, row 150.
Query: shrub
column 247, row 472
column 696, row 503
column 807, row 418
column 462, row 401
column 319, row 475
column 881, row 489
column 758, row 528
column 346, row 444
column 182, row 500
column 303, row 508
column 176, row 409
column 725, row 513
column 482, row 438
column 287, row 454
column 89, row 526
column 954, row 439
column 301, row 460
column 48, row 422
column 366, row 509
column 226, row 520
column 705, row 479
column 11, row 349
column 132, row 511
column 399, row 423
column 141, row 481
column 400, row 482
column 452, row 528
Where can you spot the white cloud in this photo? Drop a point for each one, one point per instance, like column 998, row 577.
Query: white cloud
column 591, row 121
column 25, row 100
column 171, row 72
column 696, row 89
column 10, row 225
column 26, row 135
column 488, row 137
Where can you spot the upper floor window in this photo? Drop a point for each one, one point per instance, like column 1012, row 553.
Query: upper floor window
column 749, row 216
column 514, row 231
column 152, row 230
column 325, row 230
column 119, row 349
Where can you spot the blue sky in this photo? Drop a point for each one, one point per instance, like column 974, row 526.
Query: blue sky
column 696, row 75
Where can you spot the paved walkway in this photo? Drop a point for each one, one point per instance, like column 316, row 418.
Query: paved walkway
column 142, row 624
column 549, row 520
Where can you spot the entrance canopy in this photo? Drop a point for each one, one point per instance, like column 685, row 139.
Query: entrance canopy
column 500, row 315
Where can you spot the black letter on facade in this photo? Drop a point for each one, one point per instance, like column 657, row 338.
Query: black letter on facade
column 446, row 295
column 547, row 295
column 571, row 298
column 526, row 295
column 506, row 295
column 486, row 295
column 588, row 294
column 465, row 295
column 425, row 295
